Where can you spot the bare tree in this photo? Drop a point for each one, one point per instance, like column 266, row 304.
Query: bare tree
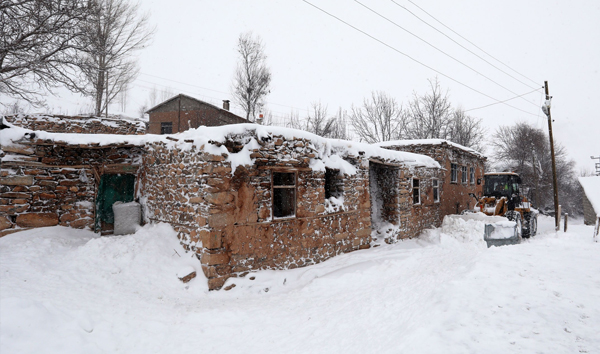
column 379, row 119
column 166, row 93
column 339, row 128
column 317, row 121
column 430, row 114
column 293, row 121
column 252, row 77
column 114, row 32
column 153, row 96
column 37, row 45
column 525, row 149
column 466, row 130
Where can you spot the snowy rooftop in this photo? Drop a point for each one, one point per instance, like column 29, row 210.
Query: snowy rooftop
column 428, row 142
column 205, row 136
column 591, row 187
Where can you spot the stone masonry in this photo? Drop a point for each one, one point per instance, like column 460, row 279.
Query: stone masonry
column 74, row 124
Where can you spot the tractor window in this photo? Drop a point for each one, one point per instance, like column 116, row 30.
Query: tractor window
column 501, row 185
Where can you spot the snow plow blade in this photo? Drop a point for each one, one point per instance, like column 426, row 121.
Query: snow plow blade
column 501, row 233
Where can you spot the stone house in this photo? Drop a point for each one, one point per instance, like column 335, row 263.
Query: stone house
column 462, row 170
column 242, row 197
column 260, row 197
column 591, row 199
column 183, row 112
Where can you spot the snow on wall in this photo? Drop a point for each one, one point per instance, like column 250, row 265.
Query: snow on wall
column 591, row 188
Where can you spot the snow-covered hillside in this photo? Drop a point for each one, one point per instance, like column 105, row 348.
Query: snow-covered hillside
column 71, row 291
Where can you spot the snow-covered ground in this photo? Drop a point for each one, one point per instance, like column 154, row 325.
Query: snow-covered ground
column 71, row 291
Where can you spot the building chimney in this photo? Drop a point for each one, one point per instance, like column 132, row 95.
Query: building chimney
column 226, row 105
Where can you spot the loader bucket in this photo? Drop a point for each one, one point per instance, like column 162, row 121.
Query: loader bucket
column 502, row 233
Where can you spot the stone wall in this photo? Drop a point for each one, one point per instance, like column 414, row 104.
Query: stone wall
column 454, row 195
column 76, row 124
column 227, row 219
column 45, row 184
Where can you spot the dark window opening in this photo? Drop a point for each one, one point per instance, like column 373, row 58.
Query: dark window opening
column 453, row 173
column 284, row 194
column 472, row 175
column 463, row 174
column 333, row 183
column 436, row 190
column 416, row 194
column 166, row 128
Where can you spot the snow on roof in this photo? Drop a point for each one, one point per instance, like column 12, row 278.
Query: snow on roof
column 428, row 142
column 205, row 136
column 591, row 188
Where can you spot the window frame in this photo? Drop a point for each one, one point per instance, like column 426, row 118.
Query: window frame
column 435, row 184
column 453, row 173
column 463, row 175
column 472, row 175
column 275, row 187
column 332, row 173
column 418, row 189
column 164, row 125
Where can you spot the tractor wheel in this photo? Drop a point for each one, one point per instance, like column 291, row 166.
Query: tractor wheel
column 531, row 225
column 516, row 217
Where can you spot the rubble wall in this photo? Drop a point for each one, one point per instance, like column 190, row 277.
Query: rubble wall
column 226, row 218
column 75, row 124
column 46, row 184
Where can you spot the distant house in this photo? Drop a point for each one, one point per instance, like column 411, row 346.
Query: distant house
column 591, row 199
column 182, row 112
column 462, row 167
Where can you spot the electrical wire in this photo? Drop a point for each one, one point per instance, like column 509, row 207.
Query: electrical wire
column 462, row 46
column 413, row 59
column 512, row 98
column 473, row 44
column 438, row 49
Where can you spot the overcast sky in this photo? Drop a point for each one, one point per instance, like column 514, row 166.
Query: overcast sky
column 314, row 56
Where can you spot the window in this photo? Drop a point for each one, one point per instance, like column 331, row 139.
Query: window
column 333, row 183
column 436, row 190
column 453, row 173
column 284, row 194
column 463, row 177
column 416, row 194
column 472, row 175
column 166, row 128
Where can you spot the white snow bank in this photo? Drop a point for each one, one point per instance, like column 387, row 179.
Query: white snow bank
column 458, row 230
column 591, row 188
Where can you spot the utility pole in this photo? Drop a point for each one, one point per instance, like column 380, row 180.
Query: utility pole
column 554, row 179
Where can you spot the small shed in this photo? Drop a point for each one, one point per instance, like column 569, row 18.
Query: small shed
column 591, row 199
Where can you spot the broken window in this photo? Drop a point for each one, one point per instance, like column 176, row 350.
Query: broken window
column 463, row 173
column 453, row 173
column 333, row 183
column 166, row 128
column 416, row 194
column 284, row 194
column 472, row 175
column 436, row 190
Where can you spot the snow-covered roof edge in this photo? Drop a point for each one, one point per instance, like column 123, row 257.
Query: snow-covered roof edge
column 429, row 142
column 203, row 136
column 591, row 188
column 113, row 117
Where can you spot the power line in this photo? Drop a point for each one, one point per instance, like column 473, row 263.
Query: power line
column 411, row 58
column 438, row 49
column 495, row 103
column 462, row 46
column 473, row 44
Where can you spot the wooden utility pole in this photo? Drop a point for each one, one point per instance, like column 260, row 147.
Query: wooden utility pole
column 554, row 179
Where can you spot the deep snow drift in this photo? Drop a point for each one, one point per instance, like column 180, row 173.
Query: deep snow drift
column 71, row 291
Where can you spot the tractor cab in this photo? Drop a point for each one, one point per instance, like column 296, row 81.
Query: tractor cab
column 501, row 184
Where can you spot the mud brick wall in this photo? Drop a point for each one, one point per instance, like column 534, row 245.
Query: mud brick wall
column 417, row 217
column 75, row 124
column 46, row 184
column 227, row 218
column 454, row 196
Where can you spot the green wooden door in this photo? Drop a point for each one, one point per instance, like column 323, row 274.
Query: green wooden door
column 113, row 188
